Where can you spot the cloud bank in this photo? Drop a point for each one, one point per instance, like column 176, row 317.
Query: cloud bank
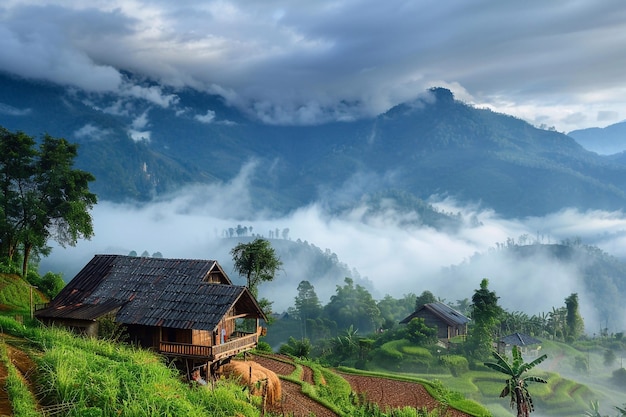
column 396, row 259
column 558, row 63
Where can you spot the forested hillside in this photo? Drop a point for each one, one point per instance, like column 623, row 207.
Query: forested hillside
column 434, row 145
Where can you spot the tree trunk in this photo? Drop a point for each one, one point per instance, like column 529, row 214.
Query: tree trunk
column 27, row 249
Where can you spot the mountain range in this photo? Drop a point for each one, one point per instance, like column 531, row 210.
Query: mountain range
column 609, row 140
column 139, row 148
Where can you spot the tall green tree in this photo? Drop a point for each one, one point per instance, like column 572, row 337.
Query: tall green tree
column 393, row 310
column 308, row 306
column 256, row 261
column 426, row 297
column 43, row 196
column 575, row 324
column 485, row 317
column 516, row 386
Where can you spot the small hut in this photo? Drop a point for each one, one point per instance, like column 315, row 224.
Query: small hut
column 182, row 308
column 448, row 322
column 526, row 343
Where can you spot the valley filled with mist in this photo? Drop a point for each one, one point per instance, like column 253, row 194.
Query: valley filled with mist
column 386, row 250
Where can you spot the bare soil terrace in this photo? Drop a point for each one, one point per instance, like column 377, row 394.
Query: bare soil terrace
column 386, row 393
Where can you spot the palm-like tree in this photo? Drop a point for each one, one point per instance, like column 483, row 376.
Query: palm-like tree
column 517, row 385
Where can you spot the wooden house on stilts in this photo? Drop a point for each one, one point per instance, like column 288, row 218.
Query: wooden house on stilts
column 182, row 308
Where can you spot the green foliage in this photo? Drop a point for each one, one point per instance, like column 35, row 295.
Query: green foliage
column 42, row 196
column 353, row 306
column 256, row 261
column 594, row 410
column 609, row 357
column 263, row 347
column 22, row 401
column 426, row 297
column 419, row 333
column 457, row 365
column 50, row 284
column 393, row 310
column 136, row 382
column 516, row 386
column 485, row 316
column 581, row 364
column 389, row 354
column 575, row 325
column 402, row 355
column 296, row 348
column 15, row 294
column 619, row 377
column 110, row 330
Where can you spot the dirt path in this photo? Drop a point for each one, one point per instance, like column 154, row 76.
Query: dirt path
column 25, row 366
column 294, row 402
column 5, row 404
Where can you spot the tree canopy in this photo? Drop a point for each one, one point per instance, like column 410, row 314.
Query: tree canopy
column 42, row 196
column 256, row 261
column 485, row 315
column 353, row 305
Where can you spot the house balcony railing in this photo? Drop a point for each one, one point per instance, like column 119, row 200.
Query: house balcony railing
column 212, row 353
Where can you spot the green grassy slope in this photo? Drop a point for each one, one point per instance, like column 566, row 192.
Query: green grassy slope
column 15, row 295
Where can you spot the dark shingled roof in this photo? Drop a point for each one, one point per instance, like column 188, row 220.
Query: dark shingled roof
column 520, row 339
column 152, row 292
column 446, row 313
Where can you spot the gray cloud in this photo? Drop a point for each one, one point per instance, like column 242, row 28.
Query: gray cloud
column 289, row 62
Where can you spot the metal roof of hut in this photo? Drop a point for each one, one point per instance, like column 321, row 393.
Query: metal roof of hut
column 445, row 313
column 520, row 339
column 176, row 293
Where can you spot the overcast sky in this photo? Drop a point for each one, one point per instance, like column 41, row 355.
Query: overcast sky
column 559, row 63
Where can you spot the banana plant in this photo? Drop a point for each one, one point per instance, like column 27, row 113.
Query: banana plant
column 516, row 386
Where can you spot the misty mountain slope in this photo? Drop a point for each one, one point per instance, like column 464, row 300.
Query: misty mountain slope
column 478, row 155
column 606, row 141
column 301, row 261
column 534, row 278
column 147, row 145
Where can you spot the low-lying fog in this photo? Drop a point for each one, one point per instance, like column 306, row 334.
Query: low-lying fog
column 396, row 260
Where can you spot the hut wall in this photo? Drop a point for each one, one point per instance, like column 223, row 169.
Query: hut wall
column 433, row 321
column 144, row 336
column 82, row 327
column 202, row 337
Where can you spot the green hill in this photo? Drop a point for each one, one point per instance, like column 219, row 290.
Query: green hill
column 15, row 295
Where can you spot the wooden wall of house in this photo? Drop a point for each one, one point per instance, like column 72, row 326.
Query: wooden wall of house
column 433, row 321
column 82, row 327
column 169, row 334
column 202, row 337
column 144, row 336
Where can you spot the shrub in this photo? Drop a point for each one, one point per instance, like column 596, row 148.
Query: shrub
column 264, row 347
column 457, row 365
column 388, row 356
column 417, row 351
column 619, row 377
column 296, row 348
